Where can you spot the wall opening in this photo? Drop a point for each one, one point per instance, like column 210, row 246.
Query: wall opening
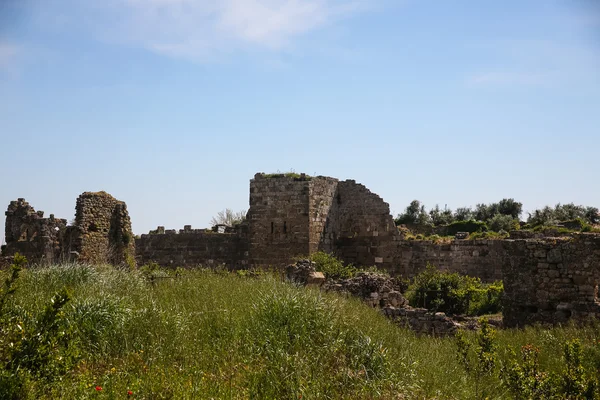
column 93, row 228
column 272, row 227
column 284, row 227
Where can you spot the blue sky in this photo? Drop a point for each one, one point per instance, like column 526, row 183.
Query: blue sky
column 173, row 105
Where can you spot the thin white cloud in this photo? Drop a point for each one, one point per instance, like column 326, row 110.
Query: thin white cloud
column 202, row 28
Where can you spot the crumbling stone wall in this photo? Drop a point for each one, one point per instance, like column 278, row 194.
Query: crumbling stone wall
column 551, row 280
column 27, row 232
column 323, row 203
column 103, row 231
column 360, row 229
column 193, row 247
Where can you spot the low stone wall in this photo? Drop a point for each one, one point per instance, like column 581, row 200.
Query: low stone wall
column 422, row 321
column 479, row 258
column 551, row 280
column 191, row 248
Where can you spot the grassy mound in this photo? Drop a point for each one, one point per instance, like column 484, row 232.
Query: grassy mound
column 219, row 335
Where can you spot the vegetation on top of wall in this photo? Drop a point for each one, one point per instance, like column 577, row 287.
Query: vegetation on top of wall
column 489, row 235
column 295, row 175
column 470, row 226
column 453, row 293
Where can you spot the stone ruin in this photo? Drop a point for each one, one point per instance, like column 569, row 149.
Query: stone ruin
column 546, row 280
column 101, row 232
column 379, row 291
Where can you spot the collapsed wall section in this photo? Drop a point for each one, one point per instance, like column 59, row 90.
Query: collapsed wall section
column 360, row 229
column 28, row 233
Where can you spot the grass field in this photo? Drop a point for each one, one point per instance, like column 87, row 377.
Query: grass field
column 217, row 335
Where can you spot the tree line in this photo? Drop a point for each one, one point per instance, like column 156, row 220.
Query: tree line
column 503, row 215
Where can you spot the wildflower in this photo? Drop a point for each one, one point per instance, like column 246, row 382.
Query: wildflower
column 129, row 393
column 98, row 388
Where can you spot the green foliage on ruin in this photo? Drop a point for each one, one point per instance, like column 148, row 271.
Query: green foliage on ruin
column 331, row 266
column 453, row 293
column 470, row 226
column 294, row 175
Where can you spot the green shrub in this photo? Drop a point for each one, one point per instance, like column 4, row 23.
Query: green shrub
column 489, row 235
column 469, row 226
column 38, row 344
column 332, row 267
column 453, row 293
column 501, row 222
column 478, row 357
column 526, row 380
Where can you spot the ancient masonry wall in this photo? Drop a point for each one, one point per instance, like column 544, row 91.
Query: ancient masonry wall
column 192, row 248
column 29, row 233
column 551, row 280
column 278, row 219
column 101, row 233
column 323, row 202
column 360, row 229
column 104, row 229
column 480, row 258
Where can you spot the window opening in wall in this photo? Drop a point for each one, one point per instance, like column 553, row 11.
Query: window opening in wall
column 284, row 227
column 272, row 227
column 339, row 198
column 93, row 228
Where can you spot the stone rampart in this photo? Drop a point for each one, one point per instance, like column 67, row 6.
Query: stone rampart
column 551, row 280
column 192, row 248
column 480, row 258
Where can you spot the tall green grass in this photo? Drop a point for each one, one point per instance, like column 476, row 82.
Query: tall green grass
column 219, row 335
